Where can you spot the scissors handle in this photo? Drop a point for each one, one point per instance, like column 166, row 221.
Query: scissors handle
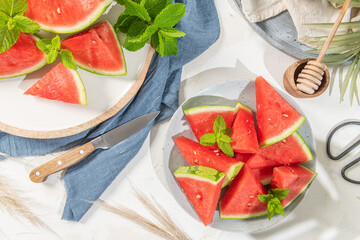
column 347, row 150
column 344, row 169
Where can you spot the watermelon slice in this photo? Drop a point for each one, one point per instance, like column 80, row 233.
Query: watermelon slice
column 240, row 200
column 22, row 58
column 276, row 118
column 201, row 119
column 61, row 16
column 243, row 131
column 197, row 154
column 296, row 178
column 62, row 84
column 103, row 53
column 291, row 150
column 202, row 186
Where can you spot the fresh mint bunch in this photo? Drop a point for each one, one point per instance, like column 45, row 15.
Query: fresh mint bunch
column 13, row 21
column 273, row 201
column 220, row 136
column 52, row 49
column 155, row 19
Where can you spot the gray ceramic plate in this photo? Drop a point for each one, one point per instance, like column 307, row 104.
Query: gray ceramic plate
column 226, row 93
column 284, row 37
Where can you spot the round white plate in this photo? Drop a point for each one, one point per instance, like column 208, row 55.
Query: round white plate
column 29, row 113
column 227, row 93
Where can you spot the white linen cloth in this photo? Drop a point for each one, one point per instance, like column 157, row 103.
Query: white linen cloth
column 301, row 12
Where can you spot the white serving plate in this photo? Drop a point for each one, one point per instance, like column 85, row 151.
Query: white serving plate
column 226, row 93
column 35, row 117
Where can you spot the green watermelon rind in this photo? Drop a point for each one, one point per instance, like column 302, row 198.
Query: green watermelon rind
column 244, row 216
column 305, row 187
column 242, row 106
column 232, row 173
column 106, row 73
column 84, row 24
column 209, row 108
column 287, row 132
column 304, row 146
column 200, row 173
column 31, row 69
column 80, row 86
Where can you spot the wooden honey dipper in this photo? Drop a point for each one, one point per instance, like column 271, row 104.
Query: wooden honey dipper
column 312, row 74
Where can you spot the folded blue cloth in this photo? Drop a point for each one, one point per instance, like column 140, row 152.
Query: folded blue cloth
column 88, row 179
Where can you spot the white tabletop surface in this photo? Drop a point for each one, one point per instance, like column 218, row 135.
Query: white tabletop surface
column 329, row 211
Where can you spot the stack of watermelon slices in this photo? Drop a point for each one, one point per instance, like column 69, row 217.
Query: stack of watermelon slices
column 96, row 49
column 272, row 162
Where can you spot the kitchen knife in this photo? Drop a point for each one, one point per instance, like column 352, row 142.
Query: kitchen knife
column 105, row 141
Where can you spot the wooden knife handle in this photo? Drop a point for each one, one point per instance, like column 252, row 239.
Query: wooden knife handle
column 66, row 160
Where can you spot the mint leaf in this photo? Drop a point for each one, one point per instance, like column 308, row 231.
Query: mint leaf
column 8, row 38
column 170, row 15
column 51, row 56
column 56, row 43
column 67, row 59
column 219, row 125
column 226, row 138
column 44, row 45
column 171, row 32
column 167, row 46
column 26, row 25
column 280, row 193
column 4, row 18
column 227, row 131
column 135, row 9
column 208, row 139
column 271, row 208
column 265, row 198
column 134, row 43
column 13, row 7
column 226, row 148
column 277, row 206
column 137, row 28
column 154, row 7
column 123, row 23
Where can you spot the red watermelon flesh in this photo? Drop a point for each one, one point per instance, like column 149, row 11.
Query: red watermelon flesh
column 103, row 53
column 201, row 119
column 240, row 200
column 276, row 118
column 296, row 178
column 22, row 58
column 263, row 174
column 61, row 84
column 197, row 154
column 243, row 132
column 65, row 16
column 291, row 150
column 202, row 186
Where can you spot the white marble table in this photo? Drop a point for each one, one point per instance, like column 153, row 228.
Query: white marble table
column 330, row 209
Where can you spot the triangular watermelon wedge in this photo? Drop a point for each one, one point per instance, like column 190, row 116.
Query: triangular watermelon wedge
column 97, row 50
column 240, row 200
column 276, row 118
column 291, row 150
column 22, row 58
column 202, row 186
column 243, row 131
column 61, row 84
column 296, row 178
column 197, row 154
column 201, row 118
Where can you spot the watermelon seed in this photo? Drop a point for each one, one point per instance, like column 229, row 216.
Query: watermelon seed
column 94, row 42
column 217, row 154
column 58, row 10
column 195, row 161
column 285, row 115
column 249, row 204
column 269, row 119
column 198, row 196
column 284, row 140
column 216, row 151
column 247, row 121
column 251, row 196
column 249, row 132
column 194, row 152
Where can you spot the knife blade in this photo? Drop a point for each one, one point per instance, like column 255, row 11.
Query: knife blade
column 104, row 141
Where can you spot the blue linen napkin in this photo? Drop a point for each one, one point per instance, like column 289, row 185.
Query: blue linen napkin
column 88, row 179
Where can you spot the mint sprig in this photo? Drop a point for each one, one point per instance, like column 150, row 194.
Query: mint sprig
column 153, row 19
column 51, row 47
column 220, row 136
column 273, row 199
column 13, row 21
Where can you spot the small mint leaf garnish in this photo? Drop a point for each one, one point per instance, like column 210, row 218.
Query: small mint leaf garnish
column 26, row 25
column 273, row 199
column 225, row 138
column 8, row 38
column 227, row 131
column 13, row 7
column 226, row 148
column 219, row 125
column 208, row 139
column 67, row 59
column 135, row 9
column 154, row 7
column 171, row 32
column 51, row 56
column 170, row 15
